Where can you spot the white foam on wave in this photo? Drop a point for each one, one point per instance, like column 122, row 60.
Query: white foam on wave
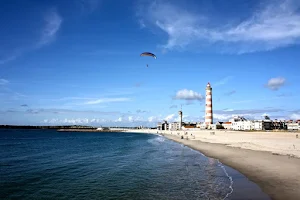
column 230, row 179
column 224, row 169
column 156, row 140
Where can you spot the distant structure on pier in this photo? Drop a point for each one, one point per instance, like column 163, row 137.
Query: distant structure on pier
column 208, row 106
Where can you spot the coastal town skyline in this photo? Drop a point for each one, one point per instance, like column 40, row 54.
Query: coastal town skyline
column 63, row 67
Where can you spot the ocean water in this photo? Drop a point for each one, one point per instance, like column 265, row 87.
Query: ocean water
column 45, row 164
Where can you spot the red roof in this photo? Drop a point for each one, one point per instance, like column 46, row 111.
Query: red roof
column 187, row 126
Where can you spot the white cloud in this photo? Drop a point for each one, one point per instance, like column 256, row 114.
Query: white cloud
column 275, row 83
column 119, row 119
column 151, row 119
column 295, row 116
column 52, row 24
column 68, row 121
column 169, row 117
column 106, row 100
column 3, row 81
column 276, row 25
column 222, row 117
column 130, row 118
column 188, row 95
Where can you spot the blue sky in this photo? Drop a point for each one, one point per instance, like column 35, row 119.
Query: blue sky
column 78, row 62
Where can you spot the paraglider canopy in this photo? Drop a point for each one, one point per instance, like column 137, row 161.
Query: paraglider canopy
column 148, row 54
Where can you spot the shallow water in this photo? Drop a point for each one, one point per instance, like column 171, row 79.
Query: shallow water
column 45, row 164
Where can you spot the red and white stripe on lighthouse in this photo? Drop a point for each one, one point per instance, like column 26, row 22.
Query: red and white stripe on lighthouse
column 208, row 105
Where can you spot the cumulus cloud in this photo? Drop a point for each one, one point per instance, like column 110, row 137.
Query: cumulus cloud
column 188, row 95
column 106, row 100
column 275, row 83
column 275, row 25
column 169, row 118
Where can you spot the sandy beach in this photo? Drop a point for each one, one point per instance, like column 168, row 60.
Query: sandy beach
column 270, row 159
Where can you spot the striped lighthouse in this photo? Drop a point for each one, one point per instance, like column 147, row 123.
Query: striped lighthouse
column 208, row 105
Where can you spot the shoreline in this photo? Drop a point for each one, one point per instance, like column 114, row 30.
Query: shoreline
column 277, row 175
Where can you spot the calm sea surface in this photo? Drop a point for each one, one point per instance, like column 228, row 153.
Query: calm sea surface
column 45, row 164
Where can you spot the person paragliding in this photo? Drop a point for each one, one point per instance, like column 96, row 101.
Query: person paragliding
column 148, row 54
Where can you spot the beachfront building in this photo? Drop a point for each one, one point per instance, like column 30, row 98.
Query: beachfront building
column 227, row 125
column 262, row 125
column 293, row 126
column 174, row 126
column 279, row 125
column 241, row 123
column 201, row 125
column 163, row 126
column 208, row 106
column 189, row 125
column 258, row 125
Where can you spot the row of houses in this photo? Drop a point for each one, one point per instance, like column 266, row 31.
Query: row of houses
column 175, row 125
column 241, row 123
column 236, row 123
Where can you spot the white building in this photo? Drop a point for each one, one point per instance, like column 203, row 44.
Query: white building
column 242, row 125
column 227, row 125
column 258, row 125
column 174, row 126
column 293, row 126
column 262, row 125
column 201, row 125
